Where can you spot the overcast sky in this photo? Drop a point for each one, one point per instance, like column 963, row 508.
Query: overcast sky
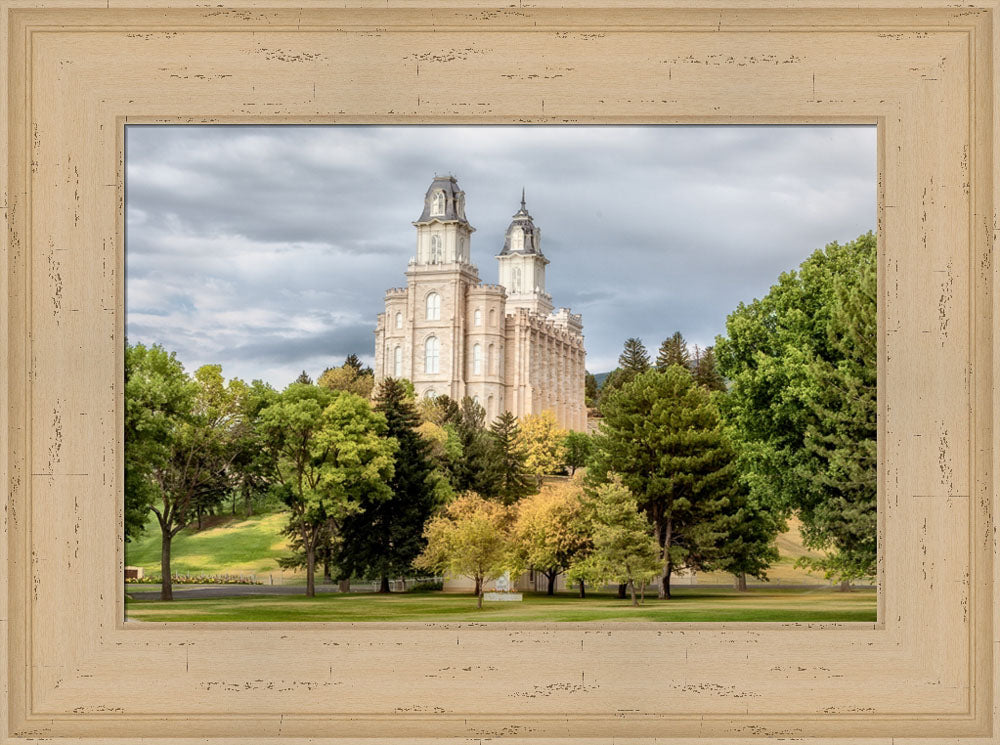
column 268, row 249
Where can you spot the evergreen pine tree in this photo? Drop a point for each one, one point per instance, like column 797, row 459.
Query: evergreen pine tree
column 384, row 538
column 706, row 371
column 662, row 434
column 304, row 378
column 513, row 481
column 634, row 356
column 673, row 351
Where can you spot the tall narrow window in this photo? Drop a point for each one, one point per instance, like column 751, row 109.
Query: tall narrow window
column 493, row 317
column 399, row 320
column 477, row 318
column 437, row 253
column 517, row 241
column 461, row 248
column 516, row 280
column 432, row 355
column 477, row 359
column 397, row 362
column 489, row 361
column 433, row 307
column 437, row 203
column 490, row 411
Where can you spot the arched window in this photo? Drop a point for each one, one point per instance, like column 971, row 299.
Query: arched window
column 461, row 248
column 433, row 307
column 475, row 400
column 437, row 203
column 517, row 241
column 399, row 320
column 489, row 360
column 490, row 411
column 493, row 317
column 516, row 280
column 397, row 362
column 432, row 355
column 477, row 318
column 437, row 254
column 430, row 393
column 477, row 359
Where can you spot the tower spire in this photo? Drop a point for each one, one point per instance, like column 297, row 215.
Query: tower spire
column 522, row 198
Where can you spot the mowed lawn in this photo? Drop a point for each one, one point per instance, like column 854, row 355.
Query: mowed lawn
column 822, row 604
column 227, row 545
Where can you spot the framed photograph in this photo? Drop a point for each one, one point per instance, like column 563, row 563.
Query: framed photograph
column 93, row 93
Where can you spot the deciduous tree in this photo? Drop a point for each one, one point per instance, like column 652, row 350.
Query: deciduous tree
column 541, row 439
column 577, row 447
column 470, row 537
column 549, row 530
column 331, row 454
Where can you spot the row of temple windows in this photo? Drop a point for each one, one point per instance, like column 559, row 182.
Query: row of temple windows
column 432, row 312
column 432, row 358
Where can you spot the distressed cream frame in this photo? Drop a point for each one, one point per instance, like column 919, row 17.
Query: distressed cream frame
column 79, row 70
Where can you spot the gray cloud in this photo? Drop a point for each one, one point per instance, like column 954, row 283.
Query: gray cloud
column 268, row 249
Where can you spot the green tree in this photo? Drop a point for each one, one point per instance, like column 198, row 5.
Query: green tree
column 197, row 471
column 662, row 435
column 253, row 467
column 304, row 378
column 673, row 351
column 385, row 538
column 706, row 371
column 511, row 472
column 331, row 455
column 472, row 458
column 577, row 447
column 158, row 394
column 348, row 378
column 471, row 537
column 590, row 389
column 623, row 548
column 634, row 356
column 801, row 363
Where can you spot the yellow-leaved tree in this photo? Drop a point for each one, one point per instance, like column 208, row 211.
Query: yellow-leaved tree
column 550, row 532
column 470, row 537
column 542, row 440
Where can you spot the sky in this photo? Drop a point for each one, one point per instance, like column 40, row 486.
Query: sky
column 268, row 249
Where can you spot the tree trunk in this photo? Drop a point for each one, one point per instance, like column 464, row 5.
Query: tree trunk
column 326, row 571
column 583, row 590
column 845, row 585
column 384, row 584
column 740, row 582
column 621, row 591
column 248, row 502
column 631, row 587
column 310, row 572
column 166, row 583
column 344, row 585
column 664, row 590
column 479, row 587
column 552, row 583
column 199, row 518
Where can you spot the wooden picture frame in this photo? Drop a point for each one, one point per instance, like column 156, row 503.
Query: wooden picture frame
column 78, row 70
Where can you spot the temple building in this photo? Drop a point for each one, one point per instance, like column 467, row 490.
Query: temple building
column 504, row 344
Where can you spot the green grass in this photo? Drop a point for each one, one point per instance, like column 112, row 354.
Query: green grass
column 688, row 604
column 231, row 545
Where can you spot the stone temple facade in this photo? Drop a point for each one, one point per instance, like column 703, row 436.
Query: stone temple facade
column 502, row 344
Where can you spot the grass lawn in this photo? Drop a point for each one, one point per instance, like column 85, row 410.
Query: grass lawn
column 688, row 604
column 227, row 545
